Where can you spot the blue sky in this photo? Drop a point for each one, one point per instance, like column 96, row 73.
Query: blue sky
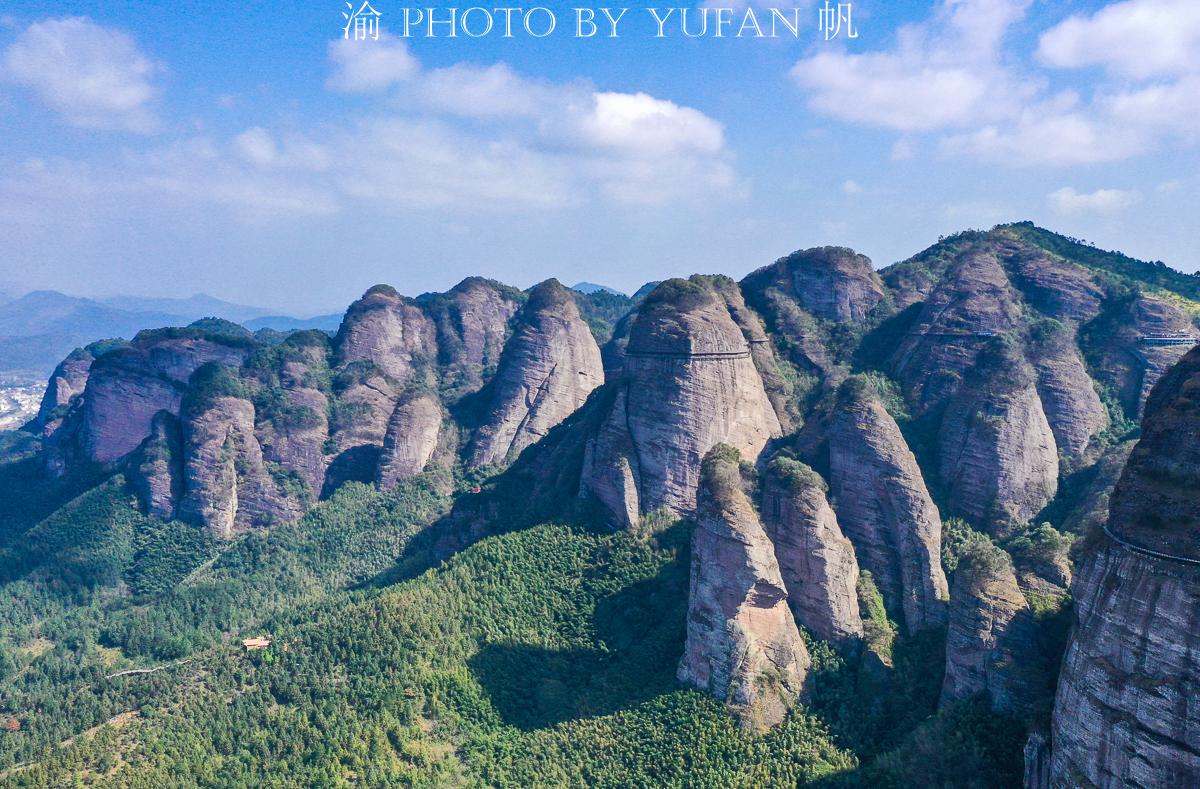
column 246, row 150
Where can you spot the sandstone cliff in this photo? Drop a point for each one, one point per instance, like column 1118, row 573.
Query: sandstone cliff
column 385, row 343
column 228, row 488
column 547, row 371
column 294, row 430
column 688, row 383
column 816, row 561
column 832, row 283
column 126, row 387
column 742, row 643
column 992, row 640
column 411, row 439
column 1125, row 712
column 884, row 508
column 473, row 324
column 970, row 305
column 998, row 459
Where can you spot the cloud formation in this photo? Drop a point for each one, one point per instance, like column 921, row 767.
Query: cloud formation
column 93, row 76
column 952, row 77
column 1102, row 201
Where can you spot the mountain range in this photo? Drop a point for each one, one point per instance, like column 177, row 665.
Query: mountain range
column 928, row 525
column 37, row 329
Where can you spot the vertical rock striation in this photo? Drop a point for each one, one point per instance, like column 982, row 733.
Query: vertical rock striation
column 992, row 640
column 547, row 371
column 997, row 455
column 411, row 439
column 688, row 383
column 885, row 509
column 1126, row 710
column 816, row 561
column 742, row 643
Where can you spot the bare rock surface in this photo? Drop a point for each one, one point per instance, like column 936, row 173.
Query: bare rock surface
column 157, row 471
column 969, row 306
column 816, row 561
column 228, row 488
column 128, row 386
column 547, row 371
column 385, row 343
column 411, row 439
column 1126, row 710
column 885, row 509
column 832, row 283
column 992, row 640
column 688, row 383
column 742, row 643
column 294, row 434
column 997, row 455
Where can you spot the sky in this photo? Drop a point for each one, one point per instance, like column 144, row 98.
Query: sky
column 254, row 152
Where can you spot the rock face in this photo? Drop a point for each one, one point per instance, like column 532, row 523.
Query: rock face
column 228, row 488
column 742, row 642
column 385, row 343
column 816, row 561
column 688, row 383
column 64, row 388
column 157, row 473
column 885, row 509
column 548, row 369
column 411, row 439
column 998, row 457
column 992, row 640
column 1125, row 712
column 832, row 283
column 972, row 304
column 294, row 434
column 1130, row 362
column 1068, row 396
column 128, row 386
column 472, row 322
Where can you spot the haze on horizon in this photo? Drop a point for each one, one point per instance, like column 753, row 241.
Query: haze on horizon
column 252, row 154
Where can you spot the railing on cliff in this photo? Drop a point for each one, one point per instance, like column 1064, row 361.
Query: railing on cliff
column 1149, row 551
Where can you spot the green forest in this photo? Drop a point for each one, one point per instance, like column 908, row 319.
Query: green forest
column 545, row 656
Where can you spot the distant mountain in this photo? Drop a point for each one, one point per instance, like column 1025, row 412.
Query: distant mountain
column 38, row 329
column 592, row 287
column 284, row 323
column 201, row 305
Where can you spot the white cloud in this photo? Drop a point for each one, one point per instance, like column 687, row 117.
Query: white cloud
column 851, row 187
column 941, row 74
column 1136, row 38
column 645, row 126
column 1102, row 201
column 94, row 76
column 370, row 65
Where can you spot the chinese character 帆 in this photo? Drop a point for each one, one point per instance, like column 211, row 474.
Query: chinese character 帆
column 831, row 19
column 364, row 21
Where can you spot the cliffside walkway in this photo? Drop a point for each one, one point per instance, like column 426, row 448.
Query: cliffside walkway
column 1150, row 551
column 743, row 354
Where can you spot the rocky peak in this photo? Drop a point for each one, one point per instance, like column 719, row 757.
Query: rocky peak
column 832, row 283
column 884, row 507
column 1124, row 712
column 228, row 486
column 688, row 383
column 992, row 641
column 997, row 455
column 550, row 366
column 972, row 303
column 473, row 323
column 742, row 643
column 816, row 561
column 127, row 386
